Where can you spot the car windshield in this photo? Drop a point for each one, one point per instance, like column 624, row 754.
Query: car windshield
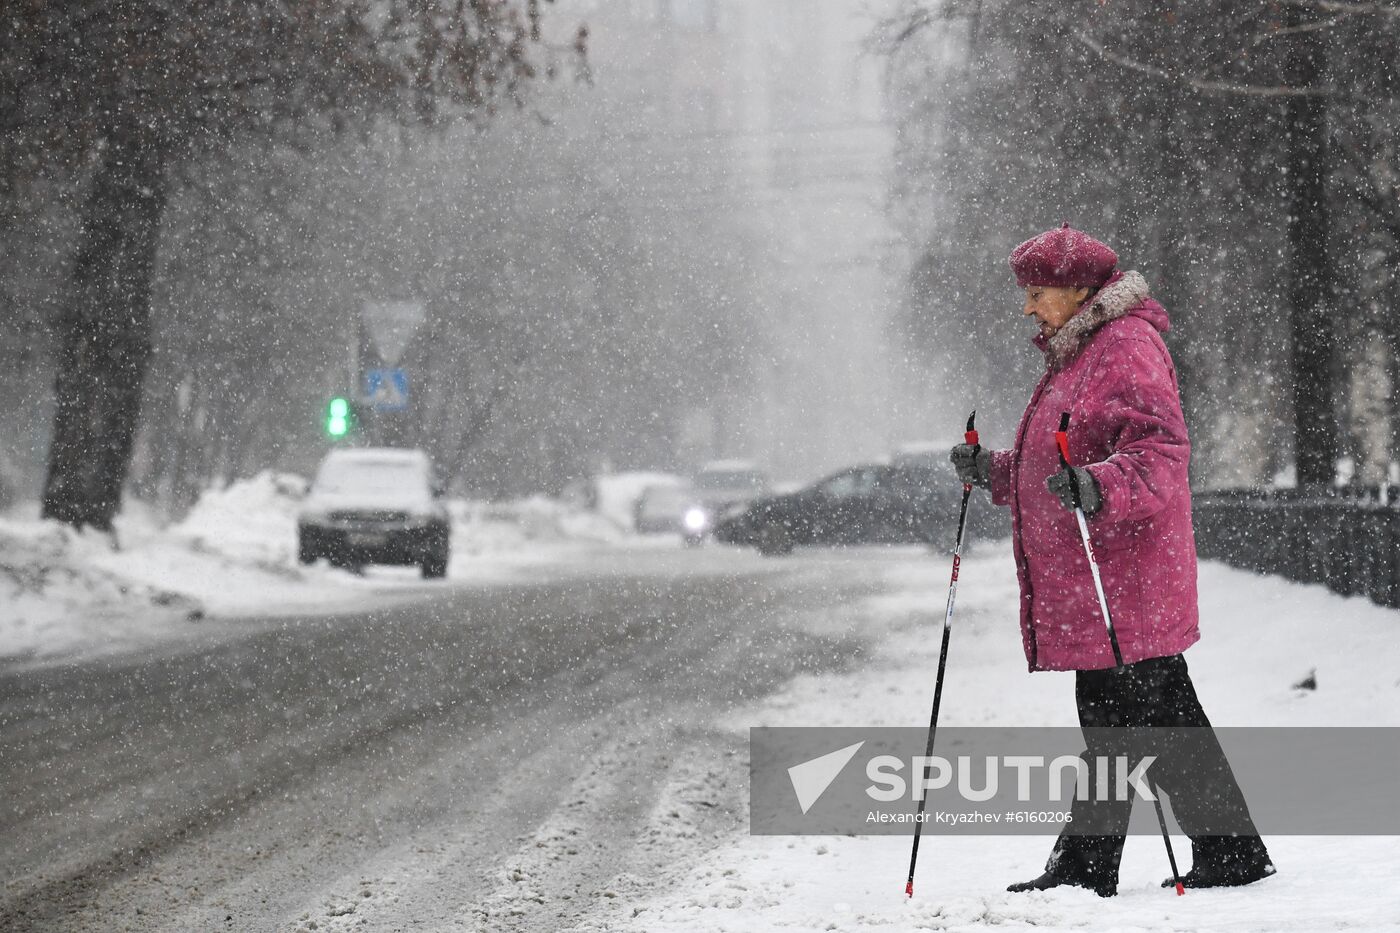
column 731, row 479
column 850, row 483
column 370, row 476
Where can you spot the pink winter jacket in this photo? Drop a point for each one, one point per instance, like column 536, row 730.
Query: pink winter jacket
column 1108, row 367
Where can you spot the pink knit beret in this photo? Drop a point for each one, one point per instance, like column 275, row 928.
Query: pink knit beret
column 1065, row 258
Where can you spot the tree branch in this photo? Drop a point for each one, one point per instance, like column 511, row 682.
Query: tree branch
column 893, row 31
column 1204, row 85
column 1347, row 6
column 1295, row 30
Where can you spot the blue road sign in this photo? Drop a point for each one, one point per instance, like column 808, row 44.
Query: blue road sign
column 387, row 389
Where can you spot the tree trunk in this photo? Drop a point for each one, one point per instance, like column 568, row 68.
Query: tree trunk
column 1312, row 289
column 1393, row 360
column 105, row 341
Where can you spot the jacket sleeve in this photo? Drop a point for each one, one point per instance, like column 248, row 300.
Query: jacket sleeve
column 1131, row 402
column 1001, row 477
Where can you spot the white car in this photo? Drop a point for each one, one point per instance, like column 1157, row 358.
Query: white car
column 375, row 505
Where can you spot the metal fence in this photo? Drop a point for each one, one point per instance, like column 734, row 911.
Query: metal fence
column 1346, row 538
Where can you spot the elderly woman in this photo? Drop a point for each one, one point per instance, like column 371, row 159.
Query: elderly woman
column 1106, row 365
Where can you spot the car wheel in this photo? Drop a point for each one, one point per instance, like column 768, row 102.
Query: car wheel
column 435, row 567
column 774, row 541
column 340, row 560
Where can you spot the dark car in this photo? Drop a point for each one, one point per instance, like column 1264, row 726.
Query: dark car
column 870, row 504
column 375, row 505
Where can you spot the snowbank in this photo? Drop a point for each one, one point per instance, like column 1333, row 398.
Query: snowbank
column 252, row 521
column 57, row 593
column 234, row 554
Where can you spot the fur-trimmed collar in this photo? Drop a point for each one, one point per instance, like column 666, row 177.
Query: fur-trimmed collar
column 1110, row 303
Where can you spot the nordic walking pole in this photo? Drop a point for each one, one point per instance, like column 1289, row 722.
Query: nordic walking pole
column 1062, row 441
column 969, row 437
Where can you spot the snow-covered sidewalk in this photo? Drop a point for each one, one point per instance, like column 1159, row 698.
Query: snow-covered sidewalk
column 1260, row 637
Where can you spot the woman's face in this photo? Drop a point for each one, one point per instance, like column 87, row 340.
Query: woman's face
column 1052, row 305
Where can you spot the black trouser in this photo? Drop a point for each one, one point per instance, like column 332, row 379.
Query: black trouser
column 1189, row 766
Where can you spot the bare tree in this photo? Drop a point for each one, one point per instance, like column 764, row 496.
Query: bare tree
column 1225, row 140
column 129, row 90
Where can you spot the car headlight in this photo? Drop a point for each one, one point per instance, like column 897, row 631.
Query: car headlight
column 695, row 519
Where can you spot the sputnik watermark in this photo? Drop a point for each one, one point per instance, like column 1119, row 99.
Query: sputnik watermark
column 946, row 818
column 811, row 778
column 1113, row 780
column 1041, row 780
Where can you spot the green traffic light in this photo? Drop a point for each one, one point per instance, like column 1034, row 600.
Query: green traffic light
column 338, row 418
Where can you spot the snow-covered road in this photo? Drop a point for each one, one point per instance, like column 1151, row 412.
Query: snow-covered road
column 567, row 751
column 386, row 766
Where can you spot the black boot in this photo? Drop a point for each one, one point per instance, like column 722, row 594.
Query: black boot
column 1213, row 876
column 1226, row 862
column 1048, row 880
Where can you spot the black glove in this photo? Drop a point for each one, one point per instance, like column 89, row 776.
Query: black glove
column 974, row 464
column 1064, row 482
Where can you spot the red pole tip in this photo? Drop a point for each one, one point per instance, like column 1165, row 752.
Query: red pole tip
column 909, row 889
column 1180, row 889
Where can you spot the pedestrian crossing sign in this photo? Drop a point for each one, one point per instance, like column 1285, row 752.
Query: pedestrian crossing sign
column 387, row 389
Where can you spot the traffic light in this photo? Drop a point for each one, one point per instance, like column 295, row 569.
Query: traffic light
column 338, row 418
